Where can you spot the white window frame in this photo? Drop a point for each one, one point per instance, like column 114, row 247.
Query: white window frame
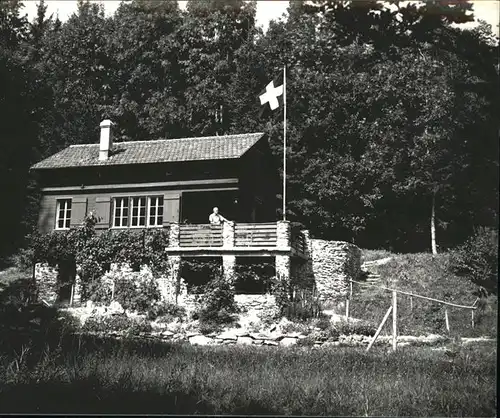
column 139, row 206
column 122, row 207
column 157, row 206
column 66, row 213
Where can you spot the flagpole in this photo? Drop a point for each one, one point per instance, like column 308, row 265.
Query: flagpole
column 284, row 143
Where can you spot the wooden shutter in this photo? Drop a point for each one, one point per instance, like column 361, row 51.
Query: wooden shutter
column 47, row 214
column 103, row 211
column 171, row 208
column 78, row 210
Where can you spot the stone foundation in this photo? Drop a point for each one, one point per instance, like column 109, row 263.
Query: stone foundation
column 330, row 266
column 255, row 302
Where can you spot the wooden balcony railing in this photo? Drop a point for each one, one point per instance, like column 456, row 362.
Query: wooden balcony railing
column 200, row 235
column 255, row 235
column 252, row 237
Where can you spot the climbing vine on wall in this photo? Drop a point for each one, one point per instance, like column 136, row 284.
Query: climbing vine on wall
column 93, row 253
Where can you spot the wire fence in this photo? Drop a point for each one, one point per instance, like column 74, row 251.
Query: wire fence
column 393, row 308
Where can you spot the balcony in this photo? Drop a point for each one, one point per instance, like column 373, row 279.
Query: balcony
column 251, row 239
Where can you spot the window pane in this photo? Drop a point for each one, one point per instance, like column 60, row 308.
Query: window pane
column 63, row 213
column 159, row 220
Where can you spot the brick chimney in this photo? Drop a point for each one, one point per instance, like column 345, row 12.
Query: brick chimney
column 106, row 139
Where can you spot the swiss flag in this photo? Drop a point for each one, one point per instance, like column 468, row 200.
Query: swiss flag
column 271, row 97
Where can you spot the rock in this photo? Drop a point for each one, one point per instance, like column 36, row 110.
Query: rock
column 293, row 334
column 245, row 340
column 432, row 338
column 288, row 341
column 408, row 338
column 200, row 340
column 167, row 333
column 477, row 340
column 269, row 342
column 89, row 304
column 115, row 308
column 331, row 344
column 158, row 326
column 228, row 335
column 260, row 336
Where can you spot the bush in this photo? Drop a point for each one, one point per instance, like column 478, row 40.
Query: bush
column 136, row 291
column 165, row 309
column 210, row 328
column 217, row 304
column 116, row 323
column 99, row 292
column 269, row 315
column 355, row 328
column 477, row 259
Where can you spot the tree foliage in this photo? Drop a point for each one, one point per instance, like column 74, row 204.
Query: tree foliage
column 390, row 107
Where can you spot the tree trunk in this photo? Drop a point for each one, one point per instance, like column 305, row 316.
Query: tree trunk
column 433, row 224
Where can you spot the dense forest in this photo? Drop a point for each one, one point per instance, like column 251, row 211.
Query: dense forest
column 393, row 112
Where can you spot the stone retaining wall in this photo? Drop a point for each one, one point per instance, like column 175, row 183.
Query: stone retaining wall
column 255, row 302
column 247, row 303
column 46, row 280
column 333, row 264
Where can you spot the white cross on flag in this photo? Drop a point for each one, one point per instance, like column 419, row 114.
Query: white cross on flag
column 272, row 94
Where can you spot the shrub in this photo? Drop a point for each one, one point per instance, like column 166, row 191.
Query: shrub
column 116, row 323
column 99, row 292
column 269, row 315
column 309, row 341
column 136, row 291
column 217, row 304
column 290, row 327
column 210, row 328
column 357, row 328
column 323, row 323
column 477, row 259
column 166, row 310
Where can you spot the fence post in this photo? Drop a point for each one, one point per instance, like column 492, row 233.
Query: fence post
column 348, row 302
column 411, row 304
column 394, row 320
column 379, row 329
column 72, row 295
column 113, row 290
column 446, row 319
column 472, row 315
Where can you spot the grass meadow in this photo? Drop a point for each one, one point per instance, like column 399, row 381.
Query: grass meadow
column 427, row 275
column 95, row 375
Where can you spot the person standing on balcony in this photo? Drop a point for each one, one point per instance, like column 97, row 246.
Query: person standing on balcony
column 216, row 218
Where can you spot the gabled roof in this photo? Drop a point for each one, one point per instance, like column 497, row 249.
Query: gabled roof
column 155, row 151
